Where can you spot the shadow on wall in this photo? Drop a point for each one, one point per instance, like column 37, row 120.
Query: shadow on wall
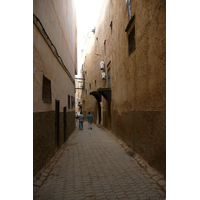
column 145, row 133
column 44, row 137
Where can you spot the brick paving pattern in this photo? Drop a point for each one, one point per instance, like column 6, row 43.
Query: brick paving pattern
column 93, row 164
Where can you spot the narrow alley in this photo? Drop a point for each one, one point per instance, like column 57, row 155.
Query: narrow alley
column 93, row 164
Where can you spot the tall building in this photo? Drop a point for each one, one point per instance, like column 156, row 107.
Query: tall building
column 54, row 69
column 125, row 75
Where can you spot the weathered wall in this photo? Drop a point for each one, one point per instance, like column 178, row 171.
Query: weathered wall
column 58, row 19
column 43, row 139
column 62, row 35
column 145, row 133
column 139, row 95
column 138, row 81
column 44, row 145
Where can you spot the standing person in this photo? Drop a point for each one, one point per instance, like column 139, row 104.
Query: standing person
column 89, row 120
column 81, row 119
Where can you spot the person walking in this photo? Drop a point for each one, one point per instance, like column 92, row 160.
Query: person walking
column 81, row 119
column 89, row 117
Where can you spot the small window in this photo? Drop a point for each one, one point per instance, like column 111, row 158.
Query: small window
column 71, row 101
column 131, row 41
column 46, row 90
column 90, row 85
column 68, row 101
column 105, row 46
column 111, row 26
column 96, row 45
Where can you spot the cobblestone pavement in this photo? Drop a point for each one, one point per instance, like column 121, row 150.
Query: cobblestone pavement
column 94, row 164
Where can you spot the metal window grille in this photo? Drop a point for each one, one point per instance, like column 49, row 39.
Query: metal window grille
column 71, row 101
column 46, row 90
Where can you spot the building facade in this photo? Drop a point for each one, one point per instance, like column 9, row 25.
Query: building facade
column 128, row 93
column 54, row 69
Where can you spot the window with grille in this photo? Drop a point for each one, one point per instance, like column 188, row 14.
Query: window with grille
column 131, row 41
column 46, row 90
column 71, row 101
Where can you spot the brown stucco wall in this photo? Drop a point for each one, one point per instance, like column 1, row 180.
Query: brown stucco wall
column 138, row 81
column 94, row 116
column 70, row 122
column 44, row 136
column 145, row 133
column 43, row 139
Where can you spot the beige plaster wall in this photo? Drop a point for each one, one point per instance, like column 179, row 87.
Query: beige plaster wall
column 58, row 19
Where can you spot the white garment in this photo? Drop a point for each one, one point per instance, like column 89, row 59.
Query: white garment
column 90, row 125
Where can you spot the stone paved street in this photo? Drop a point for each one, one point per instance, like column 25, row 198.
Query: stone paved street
column 94, row 165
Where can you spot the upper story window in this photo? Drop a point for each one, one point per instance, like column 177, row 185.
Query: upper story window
column 105, row 46
column 111, row 26
column 46, row 90
column 72, row 102
column 96, row 45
